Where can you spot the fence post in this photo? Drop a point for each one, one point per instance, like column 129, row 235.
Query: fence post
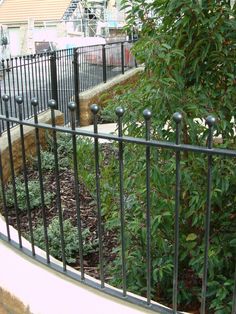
column 122, row 59
column 104, row 64
column 53, row 72
column 76, row 85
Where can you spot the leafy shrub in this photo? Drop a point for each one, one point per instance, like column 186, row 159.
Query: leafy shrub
column 64, row 151
column 70, row 238
column 90, row 244
column 85, row 157
column 109, row 169
column 189, row 49
column 34, row 195
column 48, row 161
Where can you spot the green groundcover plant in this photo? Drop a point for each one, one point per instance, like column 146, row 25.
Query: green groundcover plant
column 34, row 195
column 71, row 241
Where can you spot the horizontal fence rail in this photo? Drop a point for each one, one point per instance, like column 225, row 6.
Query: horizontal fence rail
column 148, row 144
column 61, row 75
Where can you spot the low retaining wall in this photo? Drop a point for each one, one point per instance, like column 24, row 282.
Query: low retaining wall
column 39, row 289
column 29, row 141
column 96, row 95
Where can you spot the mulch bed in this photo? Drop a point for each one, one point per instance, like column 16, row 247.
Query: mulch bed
column 88, row 211
column 68, row 203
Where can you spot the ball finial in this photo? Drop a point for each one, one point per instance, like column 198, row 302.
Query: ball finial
column 119, row 111
column 94, row 108
column 72, row 106
column 177, row 117
column 52, row 104
column 210, row 121
column 34, row 102
column 5, row 98
column 19, row 100
column 147, row 114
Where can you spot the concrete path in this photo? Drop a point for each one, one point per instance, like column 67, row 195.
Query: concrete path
column 108, row 128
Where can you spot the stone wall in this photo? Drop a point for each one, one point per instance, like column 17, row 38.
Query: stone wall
column 96, row 95
column 29, row 141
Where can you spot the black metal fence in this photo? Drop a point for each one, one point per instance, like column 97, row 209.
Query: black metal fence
column 61, row 75
column 178, row 150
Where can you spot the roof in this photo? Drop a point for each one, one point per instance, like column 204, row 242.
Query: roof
column 20, row 11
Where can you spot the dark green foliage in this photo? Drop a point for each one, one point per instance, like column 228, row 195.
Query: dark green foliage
column 109, row 171
column 189, row 50
column 34, row 195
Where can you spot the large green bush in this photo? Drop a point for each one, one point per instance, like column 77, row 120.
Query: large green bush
column 189, row 50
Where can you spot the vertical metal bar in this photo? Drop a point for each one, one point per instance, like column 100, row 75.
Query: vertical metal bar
column 33, row 75
column 72, row 107
column 40, row 81
column 81, row 68
column 234, row 294
column 5, row 209
column 13, row 69
column 60, row 81
column 17, row 76
column 46, row 77
column 29, row 77
column 26, row 90
column 147, row 116
column 210, row 121
column 119, row 113
column 53, row 105
column 95, row 110
column 34, row 103
column 9, row 88
column 66, row 85
column 5, row 98
column 4, row 75
column 53, row 72
column 21, row 83
column 76, row 85
column 31, row 80
column 177, row 117
column 104, row 64
column 69, row 82
column 44, row 80
column 19, row 101
column 122, row 59
column 36, row 81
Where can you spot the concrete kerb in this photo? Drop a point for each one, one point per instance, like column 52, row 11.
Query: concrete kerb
column 43, row 290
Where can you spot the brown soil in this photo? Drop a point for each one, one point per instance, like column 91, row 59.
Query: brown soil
column 68, row 204
column 88, row 220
